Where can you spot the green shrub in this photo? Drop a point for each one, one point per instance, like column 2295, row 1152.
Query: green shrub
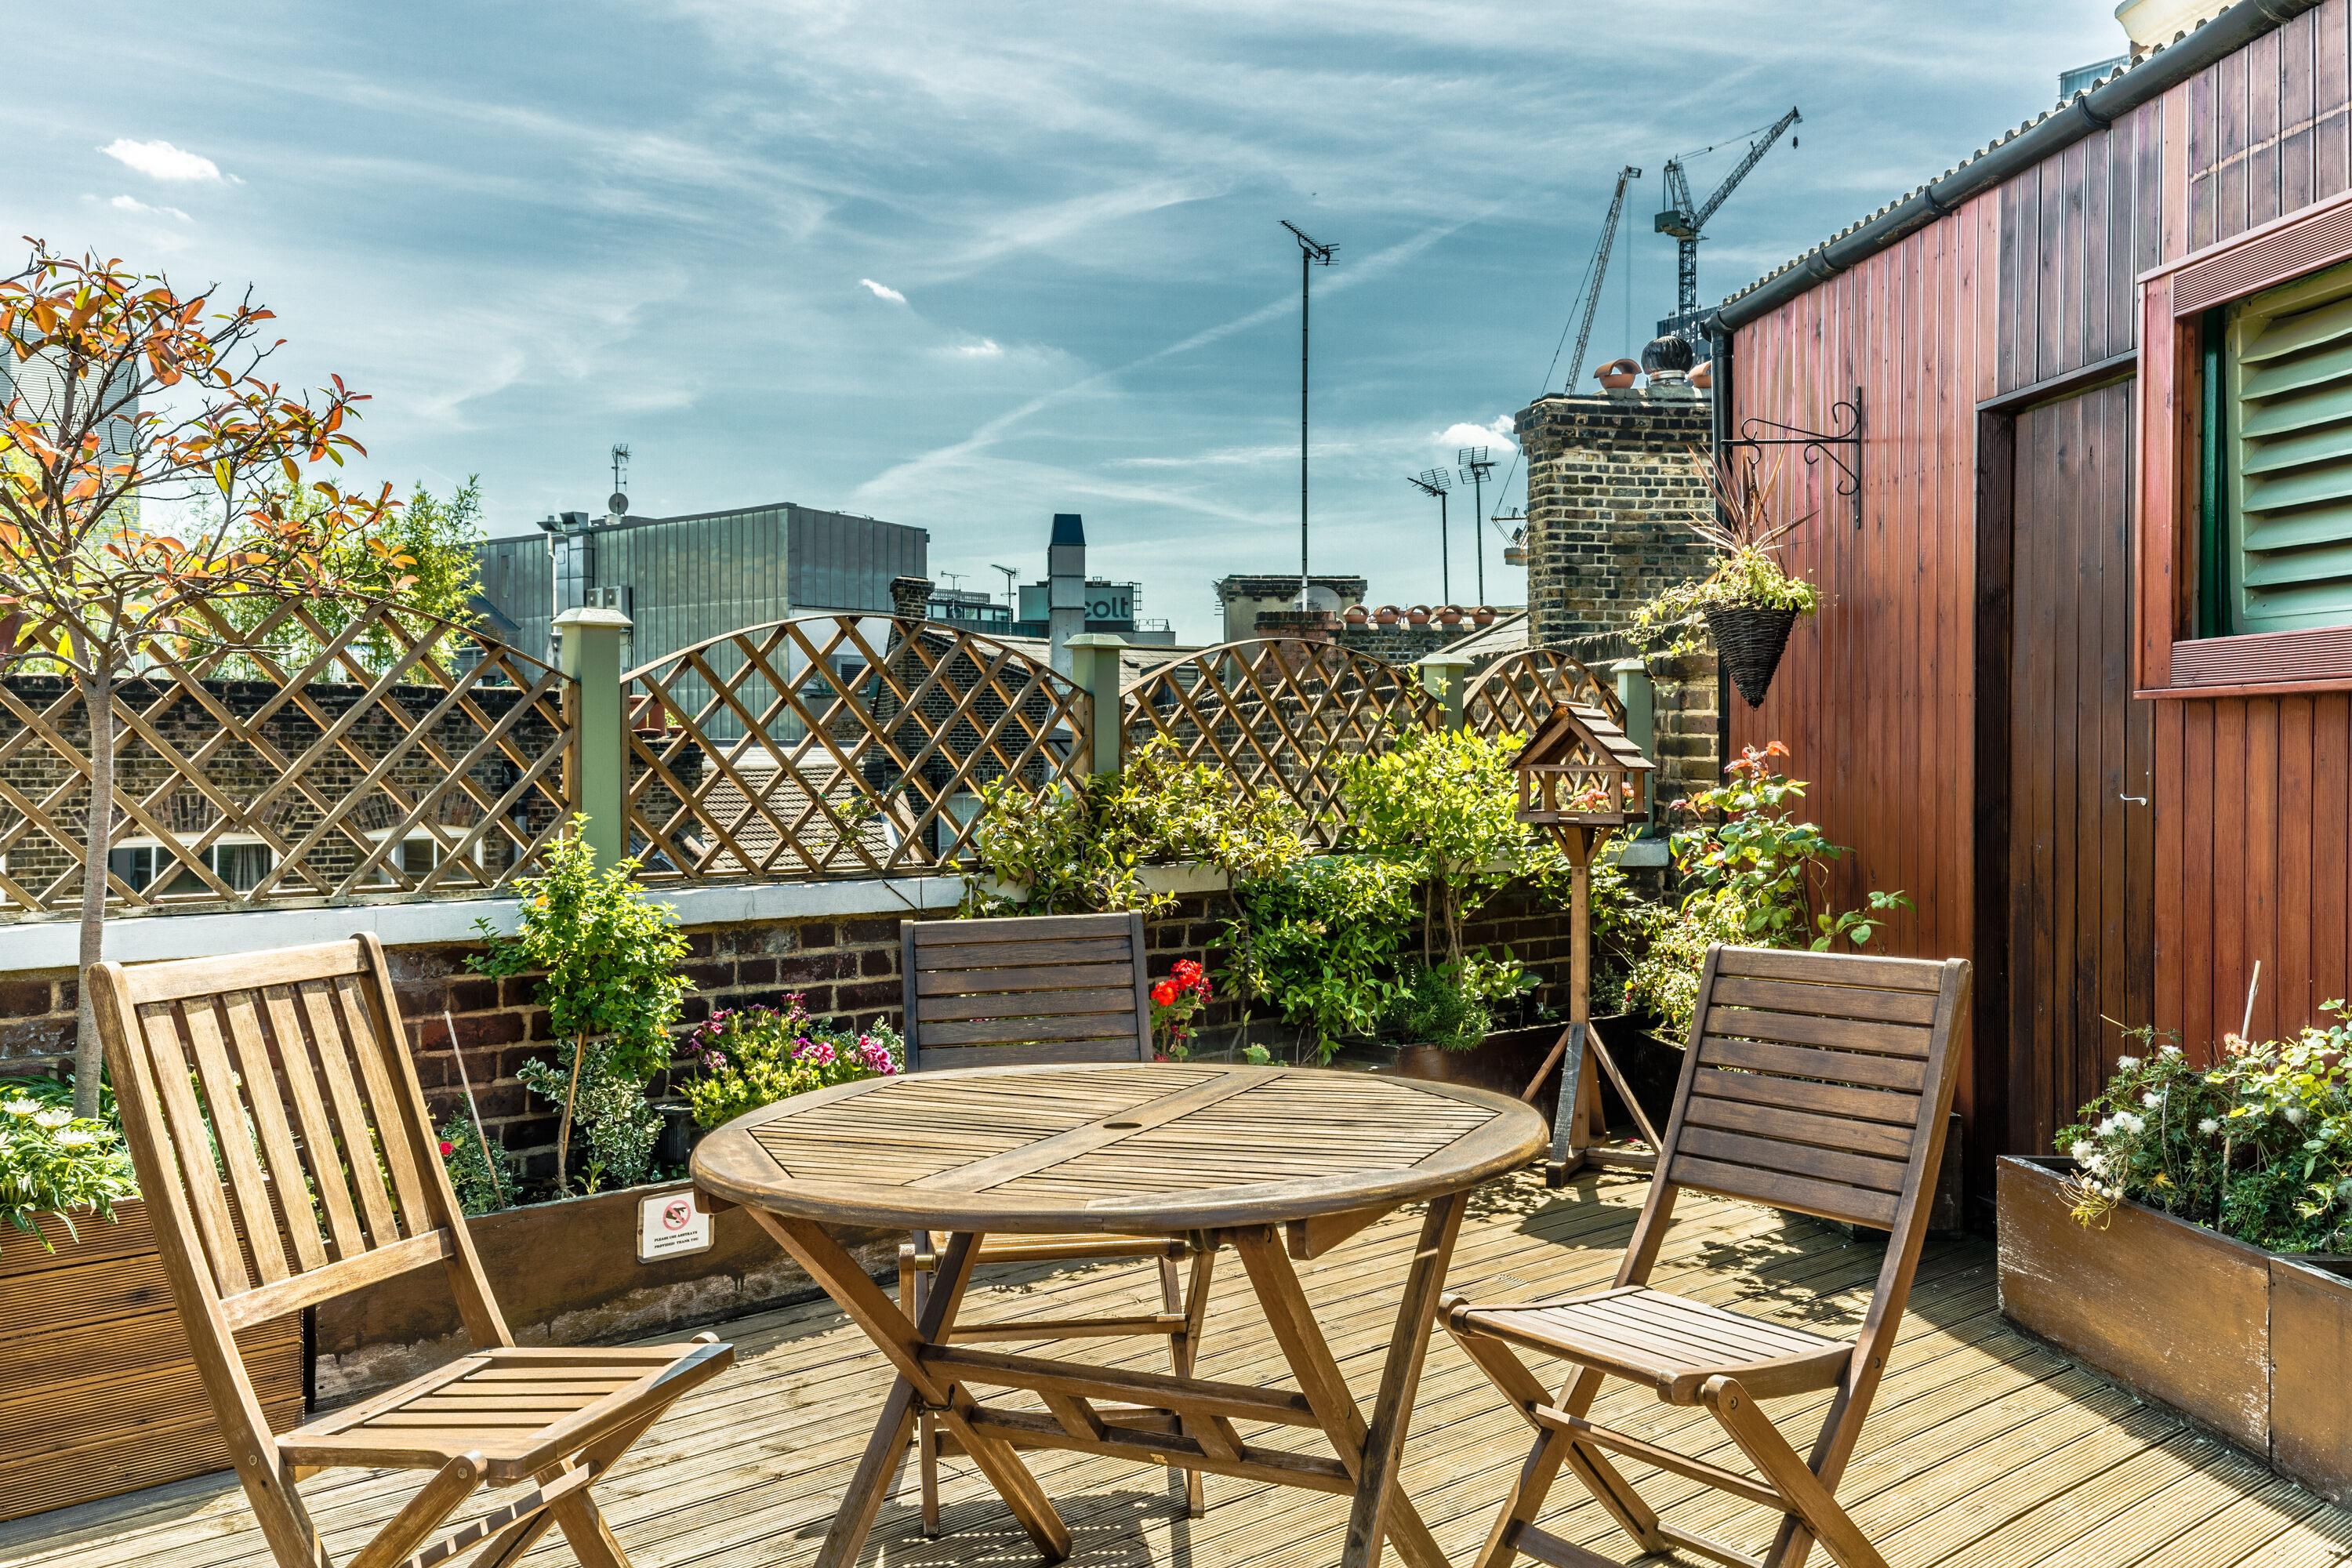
column 746, row 1057
column 1079, row 848
column 1444, row 806
column 1319, row 940
column 485, row 1181
column 608, row 961
column 52, row 1161
column 2259, row 1145
column 1438, row 1009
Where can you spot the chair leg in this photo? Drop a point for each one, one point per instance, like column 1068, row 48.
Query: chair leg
column 584, row 1529
column 1181, row 1351
column 913, row 1286
column 1608, row 1485
column 1781, row 1465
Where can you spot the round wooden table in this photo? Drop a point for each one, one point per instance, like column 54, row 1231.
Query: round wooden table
column 1276, row 1163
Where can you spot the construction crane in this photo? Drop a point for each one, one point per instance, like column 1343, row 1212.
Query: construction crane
column 1684, row 219
column 1600, row 272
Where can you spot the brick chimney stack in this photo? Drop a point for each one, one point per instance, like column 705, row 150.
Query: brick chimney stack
column 910, row 598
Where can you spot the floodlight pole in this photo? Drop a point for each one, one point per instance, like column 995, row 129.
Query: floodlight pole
column 1311, row 255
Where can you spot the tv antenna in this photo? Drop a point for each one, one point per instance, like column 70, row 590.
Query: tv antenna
column 1476, row 466
column 1010, row 574
column 617, row 503
column 1436, row 482
column 955, row 580
column 1312, row 254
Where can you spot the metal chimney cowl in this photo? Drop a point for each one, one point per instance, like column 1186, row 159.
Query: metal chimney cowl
column 1065, row 586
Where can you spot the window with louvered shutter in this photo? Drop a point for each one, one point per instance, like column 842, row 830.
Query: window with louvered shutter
column 2289, row 444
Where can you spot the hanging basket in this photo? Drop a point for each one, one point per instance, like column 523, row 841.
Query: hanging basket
column 1749, row 639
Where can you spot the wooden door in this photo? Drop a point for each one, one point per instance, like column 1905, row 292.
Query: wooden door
column 2081, row 837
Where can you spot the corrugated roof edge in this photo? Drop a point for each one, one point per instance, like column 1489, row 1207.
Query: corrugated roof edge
column 2092, row 110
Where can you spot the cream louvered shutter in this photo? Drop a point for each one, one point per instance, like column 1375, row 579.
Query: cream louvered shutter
column 2290, row 403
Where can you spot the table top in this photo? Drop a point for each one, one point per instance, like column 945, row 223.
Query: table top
column 1127, row 1147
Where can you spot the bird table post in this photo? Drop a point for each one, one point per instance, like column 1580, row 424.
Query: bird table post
column 1579, row 777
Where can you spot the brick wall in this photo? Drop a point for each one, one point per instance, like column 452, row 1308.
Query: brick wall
column 1401, row 642
column 847, row 969
column 1612, row 484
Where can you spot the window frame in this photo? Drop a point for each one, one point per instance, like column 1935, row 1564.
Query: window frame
column 2171, row 659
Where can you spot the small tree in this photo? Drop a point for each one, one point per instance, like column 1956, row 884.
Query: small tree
column 149, row 479
column 608, row 960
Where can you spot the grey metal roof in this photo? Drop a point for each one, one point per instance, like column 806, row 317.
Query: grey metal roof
column 2085, row 114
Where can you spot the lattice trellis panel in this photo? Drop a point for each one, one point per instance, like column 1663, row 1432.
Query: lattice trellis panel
column 1514, row 695
column 836, row 746
column 1283, row 713
column 292, row 760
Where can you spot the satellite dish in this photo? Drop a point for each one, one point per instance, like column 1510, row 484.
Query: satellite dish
column 617, row 504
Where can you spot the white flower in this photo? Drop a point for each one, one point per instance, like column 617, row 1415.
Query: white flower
column 21, row 1107
column 2294, row 1114
column 2152, row 1098
column 75, row 1137
column 2172, row 1051
column 53, row 1119
column 2084, row 1151
column 2096, row 1165
column 2128, row 1122
column 2128, row 1064
column 2210, row 1126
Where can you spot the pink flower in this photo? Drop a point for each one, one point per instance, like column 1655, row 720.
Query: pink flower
column 448, row 1148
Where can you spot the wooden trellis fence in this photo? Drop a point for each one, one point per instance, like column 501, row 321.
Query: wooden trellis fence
column 1282, row 712
column 295, row 760
column 1516, row 693
column 836, row 746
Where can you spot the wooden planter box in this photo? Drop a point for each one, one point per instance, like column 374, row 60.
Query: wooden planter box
column 566, row 1273
column 97, row 1393
column 2255, row 1345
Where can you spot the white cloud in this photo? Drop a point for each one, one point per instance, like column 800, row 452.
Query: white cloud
column 133, row 205
column 882, row 291
column 1496, row 437
column 987, row 348
column 160, row 160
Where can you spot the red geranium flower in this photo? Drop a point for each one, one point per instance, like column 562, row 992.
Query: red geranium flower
column 1164, row 994
column 448, row 1148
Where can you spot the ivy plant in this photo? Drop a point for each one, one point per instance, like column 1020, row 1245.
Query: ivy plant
column 1081, row 848
column 608, row 964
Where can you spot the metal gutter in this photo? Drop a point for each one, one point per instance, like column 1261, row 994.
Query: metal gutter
column 2085, row 114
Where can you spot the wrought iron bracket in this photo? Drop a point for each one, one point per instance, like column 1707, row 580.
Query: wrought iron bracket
column 1842, row 445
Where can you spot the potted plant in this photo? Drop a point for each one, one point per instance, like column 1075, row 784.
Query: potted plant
column 94, row 1344
column 2190, row 1241
column 1748, row 600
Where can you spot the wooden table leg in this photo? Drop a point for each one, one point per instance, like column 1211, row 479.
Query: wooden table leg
column 905, row 1343
column 1424, row 1282
column 1292, row 1319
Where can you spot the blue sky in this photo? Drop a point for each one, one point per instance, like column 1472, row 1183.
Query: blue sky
column 967, row 265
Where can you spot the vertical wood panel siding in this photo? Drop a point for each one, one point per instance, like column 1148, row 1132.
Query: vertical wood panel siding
column 2245, row 854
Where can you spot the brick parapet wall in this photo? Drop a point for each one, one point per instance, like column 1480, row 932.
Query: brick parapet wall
column 847, row 969
column 1401, row 642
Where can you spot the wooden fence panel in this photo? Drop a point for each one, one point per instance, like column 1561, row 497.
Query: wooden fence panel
column 301, row 758
column 836, row 746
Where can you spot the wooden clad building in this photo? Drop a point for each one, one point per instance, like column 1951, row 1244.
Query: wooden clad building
column 2081, row 683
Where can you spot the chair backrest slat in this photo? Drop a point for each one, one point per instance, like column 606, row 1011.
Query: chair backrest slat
column 1054, row 988
column 300, row 1220
column 270, row 1099
column 302, row 1079
column 1809, row 1081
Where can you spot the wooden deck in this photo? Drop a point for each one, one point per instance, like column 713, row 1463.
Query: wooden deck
column 1985, row 1449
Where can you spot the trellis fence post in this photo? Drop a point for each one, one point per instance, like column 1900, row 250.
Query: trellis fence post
column 1447, row 678
column 589, row 651
column 1094, row 666
column 1639, row 697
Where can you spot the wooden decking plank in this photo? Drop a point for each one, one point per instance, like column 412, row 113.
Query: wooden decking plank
column 747, row 1469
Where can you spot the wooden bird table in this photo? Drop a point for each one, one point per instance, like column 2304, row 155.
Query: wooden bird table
column 1276, row 1163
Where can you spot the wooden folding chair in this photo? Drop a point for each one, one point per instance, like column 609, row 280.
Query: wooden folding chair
column 1034, row 989
column 1815, row 1082
column 286, row 1155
